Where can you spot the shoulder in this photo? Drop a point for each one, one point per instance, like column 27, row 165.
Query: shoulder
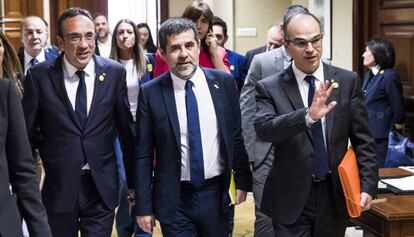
column 389, row 72
column 156, row 82
column 213, row 73
column 4, row 84
column 108, row 63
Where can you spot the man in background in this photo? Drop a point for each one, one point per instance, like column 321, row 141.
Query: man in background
column 261, row 153
column 274, row 40
column 103, row 38
column 237, row 61
column 34, row 38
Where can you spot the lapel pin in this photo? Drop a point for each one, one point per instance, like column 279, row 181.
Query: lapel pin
column 149, row 67
column 335, row 85
column 382, row 72
column 216, row 86
column 102, row 77
column 231, row 67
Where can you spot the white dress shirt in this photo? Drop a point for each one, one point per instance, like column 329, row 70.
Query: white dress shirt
column 304, row 88
column 132, row 82
column 210, row 137
column 27, row 58
column 105, row 48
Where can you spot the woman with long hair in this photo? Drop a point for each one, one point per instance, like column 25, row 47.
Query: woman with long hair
column 10, row 65
column 127, row 51
column 146, row 41
column 211, row 54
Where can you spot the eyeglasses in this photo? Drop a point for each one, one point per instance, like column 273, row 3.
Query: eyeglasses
column 75, row 38
column 302, row 43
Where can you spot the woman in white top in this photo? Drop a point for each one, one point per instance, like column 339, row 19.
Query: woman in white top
column 127, row 50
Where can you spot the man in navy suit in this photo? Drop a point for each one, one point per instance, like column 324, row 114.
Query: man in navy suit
column 237, row 61
column 189, row 118
column 34, row 38
column 79, row 102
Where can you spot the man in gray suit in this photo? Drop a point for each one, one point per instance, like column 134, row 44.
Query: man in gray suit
column 260, row 152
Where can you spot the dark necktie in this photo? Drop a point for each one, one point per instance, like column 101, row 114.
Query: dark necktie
column 80, row 103
column 194, row 137
column 34, row 61
column 370, row 82
column 320, row 163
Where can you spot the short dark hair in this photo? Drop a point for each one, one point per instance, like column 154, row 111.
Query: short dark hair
column 383, row 52
column 289, row 19
column 175, row 26
column 217, row 21
column 69, row 13
column 100, row 14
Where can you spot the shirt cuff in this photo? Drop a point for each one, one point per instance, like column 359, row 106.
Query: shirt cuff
column 309, row 120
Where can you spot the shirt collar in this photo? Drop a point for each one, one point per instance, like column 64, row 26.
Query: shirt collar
column 71, row 70
column 40, row 57
column 300, row 76
column 180, row 83
column 375, row 69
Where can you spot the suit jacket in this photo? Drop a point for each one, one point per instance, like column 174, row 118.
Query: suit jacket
column 17, row 169
column 251, row 53
column 280, row 119
column 384, row 102
column 237, row 64
column 158, row 132
column 64, row 143
column 263, row 65
column 51, row 52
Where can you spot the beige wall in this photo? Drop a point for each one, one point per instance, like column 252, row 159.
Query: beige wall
column 260, row 14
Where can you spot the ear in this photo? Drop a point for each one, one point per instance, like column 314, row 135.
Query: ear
column 225, row 39
column 60, row 43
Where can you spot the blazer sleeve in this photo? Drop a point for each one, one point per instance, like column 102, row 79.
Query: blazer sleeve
column 144, row 157
column 30, row 104
column 393, row 88
column 248, row 107
column 363, row 141
column 22, row 168
column 126, row 131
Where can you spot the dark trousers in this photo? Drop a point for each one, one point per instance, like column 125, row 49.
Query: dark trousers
column 91, row 217
column 319, row 218
column 199, row 213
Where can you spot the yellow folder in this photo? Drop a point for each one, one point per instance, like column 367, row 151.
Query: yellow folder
column 232, row 189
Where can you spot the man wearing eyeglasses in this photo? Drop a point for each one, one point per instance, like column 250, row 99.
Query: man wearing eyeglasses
column 308, row 112
column 79, row 102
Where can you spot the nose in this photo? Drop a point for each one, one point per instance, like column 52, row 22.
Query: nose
column 309, row 47
column 183, row 53
column 83, row 43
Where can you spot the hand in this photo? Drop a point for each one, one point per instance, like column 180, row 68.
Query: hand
column 131, row 196
column 366, row 201
column 319, row 108
column 211, row 41
column 146, row 223
column 240, row 196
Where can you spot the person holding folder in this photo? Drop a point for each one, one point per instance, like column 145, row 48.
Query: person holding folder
column 309, row 111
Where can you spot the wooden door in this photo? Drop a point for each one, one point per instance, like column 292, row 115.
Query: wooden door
column 13, row 11
column 393, row 20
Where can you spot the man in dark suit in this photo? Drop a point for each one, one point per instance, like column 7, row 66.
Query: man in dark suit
column 237, row 61
column 18, row 181
column 79, row 102
column 34, row 38
column 190, row 119
column 274, row 40
column 309, row 111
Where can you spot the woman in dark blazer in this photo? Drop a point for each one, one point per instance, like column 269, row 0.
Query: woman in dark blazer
column 383, row 94
column 18, row 180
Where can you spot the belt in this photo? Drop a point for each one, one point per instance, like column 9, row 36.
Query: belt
column 85, row 172
column 216, row 180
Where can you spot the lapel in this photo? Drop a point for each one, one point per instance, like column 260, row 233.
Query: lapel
column 366, row 78
column 291, row 88
column 216, row 91
column 98, row 91
column 375, row 81
column 58, row 81
column 167, row 92
column 329, row 74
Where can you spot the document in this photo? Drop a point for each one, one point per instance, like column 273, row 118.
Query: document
column 407, row 168
column 404, row 184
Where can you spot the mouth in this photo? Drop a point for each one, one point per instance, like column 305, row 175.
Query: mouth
column 83, row 55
